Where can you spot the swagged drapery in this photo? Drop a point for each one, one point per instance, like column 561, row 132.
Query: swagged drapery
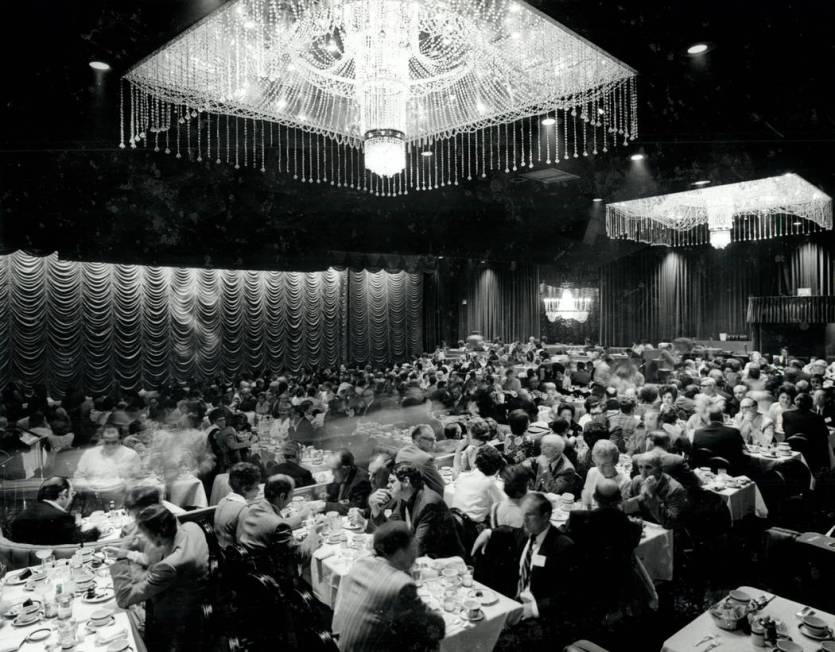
column 100, row 325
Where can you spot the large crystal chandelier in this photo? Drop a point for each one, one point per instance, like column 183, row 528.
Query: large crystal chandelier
column 379, row 95
column 749, row 210
column 567, row 306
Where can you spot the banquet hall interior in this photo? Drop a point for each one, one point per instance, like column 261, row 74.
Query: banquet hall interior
column 417, row 324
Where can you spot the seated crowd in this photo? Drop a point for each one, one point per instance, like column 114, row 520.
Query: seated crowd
column 521, row 445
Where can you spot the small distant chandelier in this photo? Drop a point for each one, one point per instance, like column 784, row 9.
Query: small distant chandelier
column 566, row 306
column 384, row 96
column 749, row 210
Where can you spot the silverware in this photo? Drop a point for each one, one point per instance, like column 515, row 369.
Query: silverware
column 707, row 638
column 713, row 645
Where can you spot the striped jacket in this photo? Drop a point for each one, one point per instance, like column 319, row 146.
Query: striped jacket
column 378, row 609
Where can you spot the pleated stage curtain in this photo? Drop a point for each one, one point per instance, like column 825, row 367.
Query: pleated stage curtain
column 660, row 294
column 503, row 303
column 99, row 325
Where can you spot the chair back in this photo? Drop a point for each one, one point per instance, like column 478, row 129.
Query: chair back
column 700, row 457
column 717, row 462
column 799, row 442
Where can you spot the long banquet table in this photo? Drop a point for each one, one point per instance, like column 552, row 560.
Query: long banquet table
column 11, row 636
column 687, row 639
column 331, row 562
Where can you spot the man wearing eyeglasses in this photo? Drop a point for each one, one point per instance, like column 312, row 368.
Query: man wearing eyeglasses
column 108, row 463
column 419, row 453
column 755, row 427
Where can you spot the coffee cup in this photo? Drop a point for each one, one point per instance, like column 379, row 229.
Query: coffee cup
column 815, row 625
column 472, row 608
column 100, row 617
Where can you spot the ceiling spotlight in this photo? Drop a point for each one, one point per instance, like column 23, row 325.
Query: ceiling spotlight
column 100, row 65
column 427, row 153
column 638, row 157
column 701, row 182
column 440, row 257
column 698, row 48
column 597, row 199
column 483, row 262
column 548, row 121
column 797, row 223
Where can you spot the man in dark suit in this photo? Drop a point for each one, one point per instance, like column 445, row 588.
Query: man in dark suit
column 377, row 608
column 172, row 588
column 419, row 453
column 423, row 510
column 804, row 421
column 658, row 441
column 722, row 441
column 547, row 568
column 48, row 522
column 350, row 487
column 290, row 466
column 654, row 495
column 605, row 540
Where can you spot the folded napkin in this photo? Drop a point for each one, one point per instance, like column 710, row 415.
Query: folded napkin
column 107, row 635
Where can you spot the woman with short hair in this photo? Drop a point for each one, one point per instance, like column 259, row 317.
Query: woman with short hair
column 605, row 455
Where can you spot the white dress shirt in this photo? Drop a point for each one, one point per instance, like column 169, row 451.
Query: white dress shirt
column 475, row 494
column 525, row 595
column 99, row 469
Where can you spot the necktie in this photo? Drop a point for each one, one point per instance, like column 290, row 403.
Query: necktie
column 525, row 572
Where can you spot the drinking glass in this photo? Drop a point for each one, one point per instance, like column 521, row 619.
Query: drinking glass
column 417, row 576
column 44, row 555
column 449, row 603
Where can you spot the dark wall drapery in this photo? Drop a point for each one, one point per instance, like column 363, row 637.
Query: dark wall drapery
column 660, row 294
column 501, row 302
column 98, row 325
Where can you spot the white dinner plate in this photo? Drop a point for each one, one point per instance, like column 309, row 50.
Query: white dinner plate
column 101, row 596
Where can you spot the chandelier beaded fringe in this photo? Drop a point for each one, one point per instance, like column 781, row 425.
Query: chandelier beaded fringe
column 368, row 87
column 749, row 210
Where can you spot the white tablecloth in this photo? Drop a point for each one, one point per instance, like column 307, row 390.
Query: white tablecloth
column 188, row 491
column 741, row 501
column 656, row 552
column 11, row 635
column 685, row 640
column 328, row 567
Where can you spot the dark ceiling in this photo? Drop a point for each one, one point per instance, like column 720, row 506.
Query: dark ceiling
column 759, row 103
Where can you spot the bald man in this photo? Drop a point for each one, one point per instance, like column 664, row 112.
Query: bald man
column 654, row 495
column 553, row 472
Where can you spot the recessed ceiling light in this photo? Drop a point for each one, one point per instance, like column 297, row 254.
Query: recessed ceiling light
column 426, row 153
column 698, row 48
column 701, row 182
column 638, row 157
column 548, row 121
column 99, row 65
column 597, row 199
column 483, row 262
column 440, row 257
